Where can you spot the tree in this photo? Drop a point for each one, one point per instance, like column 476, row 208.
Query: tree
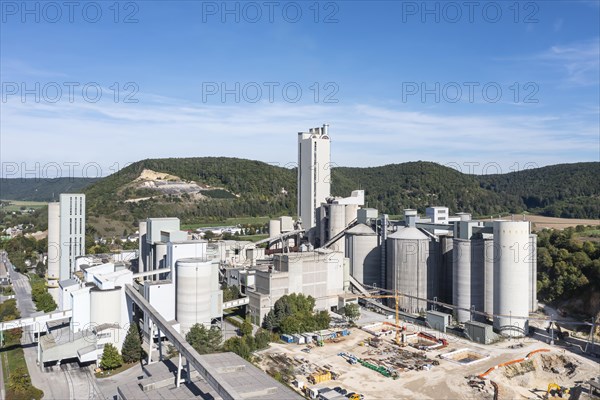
column 352, row 311
column 44, row 302
column 132, row 345
column 246, row 328
column 40, row 269
column 204, row 340
column 239, row 346
column 111, row 358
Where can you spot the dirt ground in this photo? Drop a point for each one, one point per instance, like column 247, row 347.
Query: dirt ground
column 541, row 222
column 444, row 381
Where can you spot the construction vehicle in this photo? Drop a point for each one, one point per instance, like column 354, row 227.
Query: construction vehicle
column 356, row 396
column 556, row 390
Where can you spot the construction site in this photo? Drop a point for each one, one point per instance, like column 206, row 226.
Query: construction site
column 368, row 363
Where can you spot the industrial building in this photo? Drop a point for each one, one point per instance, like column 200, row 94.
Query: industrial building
column 314, row 167
column 66, row 238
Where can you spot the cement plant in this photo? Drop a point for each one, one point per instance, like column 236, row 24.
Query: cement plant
column 423, row 306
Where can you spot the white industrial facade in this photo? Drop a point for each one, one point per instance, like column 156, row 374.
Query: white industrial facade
column 66, row 238
column 314, row 171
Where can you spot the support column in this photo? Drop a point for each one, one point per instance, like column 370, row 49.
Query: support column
column 179, row 371
column 39, row 347
column 150, row 340
column 160, row 355
column 187, row 370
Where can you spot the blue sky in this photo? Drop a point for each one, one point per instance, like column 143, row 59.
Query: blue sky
column 505, row 84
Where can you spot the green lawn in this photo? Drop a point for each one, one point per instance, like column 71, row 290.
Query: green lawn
column 228, row 222
column 252, row 238
column 11, row 360
column 15, row 205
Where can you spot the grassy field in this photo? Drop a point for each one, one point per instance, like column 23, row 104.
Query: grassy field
column 15, row 205
column 13, row 359
column 252, row 238
column 228, row 222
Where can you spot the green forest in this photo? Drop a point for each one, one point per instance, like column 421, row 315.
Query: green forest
column 568, row 263
column 246, row 188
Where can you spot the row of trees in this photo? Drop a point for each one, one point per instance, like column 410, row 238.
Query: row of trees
column 131, row 350
column 40, row 296
column 293, row 313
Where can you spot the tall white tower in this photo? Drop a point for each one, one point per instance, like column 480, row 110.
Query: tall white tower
column 53, row 249
column 72, row 232
column 314, row 169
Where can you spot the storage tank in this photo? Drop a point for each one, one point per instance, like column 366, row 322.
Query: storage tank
column 142, row 246
column 511, row 277
column 363, row 251
column 489, row 275
column 160, row 256
column 105, row 306
column 53, row 249
column 408, row 260
column 445, row 255
column 532, row 258
column 197, row 281
column 468, row 278
column 350, row 214
column 337, row 223
column 274, row 227
column 53, row 240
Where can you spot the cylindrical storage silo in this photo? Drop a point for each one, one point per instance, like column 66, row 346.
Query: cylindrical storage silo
column 160, row 256
column 364, row 255
column 532, row 258
column 461, row 278
column 53, row 249
column 142, row 246
column 469, row 278
column 446, row 254
column 407, row 263
column 489, row 276
column 337, row 223
column 193, row 292
column 350, row 213
column 274, row 227
column 53, row 241
column 105, row 306
column 511, row 277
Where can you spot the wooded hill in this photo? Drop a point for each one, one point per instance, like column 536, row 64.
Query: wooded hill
column 254, row 188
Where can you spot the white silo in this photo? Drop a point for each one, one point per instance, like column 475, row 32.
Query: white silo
column 363, row 252
column 408, row 261
column 461, row 277
column 105, row 306
column 468, row 278
column 350, row 213
column 53, row 249
column 337, row 223
column 511, row 277
column 531, row 253
column 489, row 275
column 198, row 298
column 142, row 246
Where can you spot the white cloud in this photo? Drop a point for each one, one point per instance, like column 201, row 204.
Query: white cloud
column 362, row 135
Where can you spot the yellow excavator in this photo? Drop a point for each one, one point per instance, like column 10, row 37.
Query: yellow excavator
column 556, row 390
